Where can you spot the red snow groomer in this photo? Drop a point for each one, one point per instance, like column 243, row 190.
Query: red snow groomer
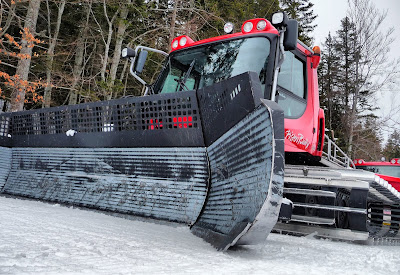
column 327, row 197
column 387, row 170
column 230, row 127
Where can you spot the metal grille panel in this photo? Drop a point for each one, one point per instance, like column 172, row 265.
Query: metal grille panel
column 5, row 129
column 5, row 121
column 225, row 103
column 109, row 116
column 166, row 120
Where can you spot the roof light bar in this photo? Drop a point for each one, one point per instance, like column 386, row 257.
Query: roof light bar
column 394, row 161
column 358, row 161
column 257, row 25
column 181, row 42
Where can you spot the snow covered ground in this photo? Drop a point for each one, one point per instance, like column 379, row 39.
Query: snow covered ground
column 43, row 238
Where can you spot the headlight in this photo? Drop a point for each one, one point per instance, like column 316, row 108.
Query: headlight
column 175, row 44
column 182, row 41
column 128, row 52
column 124, row 52
column 261, row 25
column 248, row 27
column 228, row 27
column 277, row 18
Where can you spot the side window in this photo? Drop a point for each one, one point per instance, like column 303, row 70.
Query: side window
column 291, row 86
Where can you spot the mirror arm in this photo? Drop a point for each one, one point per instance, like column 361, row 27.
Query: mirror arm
column 280, row 56
column 133, row 59
column 149, row 49
column 132, row 71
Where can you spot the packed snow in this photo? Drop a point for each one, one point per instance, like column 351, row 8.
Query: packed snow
column 45, row 238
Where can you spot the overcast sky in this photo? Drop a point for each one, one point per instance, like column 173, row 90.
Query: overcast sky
column 330, row 12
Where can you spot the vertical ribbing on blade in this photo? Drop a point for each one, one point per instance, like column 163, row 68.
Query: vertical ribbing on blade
column 5, row 165
column 241, row 164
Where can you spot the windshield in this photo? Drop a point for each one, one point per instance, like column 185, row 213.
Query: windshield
column 393, row 171
column 203, row 66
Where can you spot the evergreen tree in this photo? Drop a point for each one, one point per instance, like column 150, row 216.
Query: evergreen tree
column 367, row 141
column 302, row 11
column 345, row 51
column 392, row 148
column 348, row 90
column 327, row 76
column 373, row 69
column 344, row 78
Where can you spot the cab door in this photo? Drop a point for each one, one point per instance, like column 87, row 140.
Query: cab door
column 295, row 83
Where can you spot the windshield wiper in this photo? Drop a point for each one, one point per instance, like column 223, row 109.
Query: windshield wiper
column 186, row 76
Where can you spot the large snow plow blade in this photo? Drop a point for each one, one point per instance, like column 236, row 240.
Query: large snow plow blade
column 211, row 158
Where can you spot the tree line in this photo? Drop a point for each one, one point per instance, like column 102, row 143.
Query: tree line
column 58, row 52
column 71, row 50
column 356, row 64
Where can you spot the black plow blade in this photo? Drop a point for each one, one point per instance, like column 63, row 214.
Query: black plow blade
column 211, row 158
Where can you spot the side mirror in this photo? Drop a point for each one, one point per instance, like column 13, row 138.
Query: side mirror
column 291, row 35
column 141, row 60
